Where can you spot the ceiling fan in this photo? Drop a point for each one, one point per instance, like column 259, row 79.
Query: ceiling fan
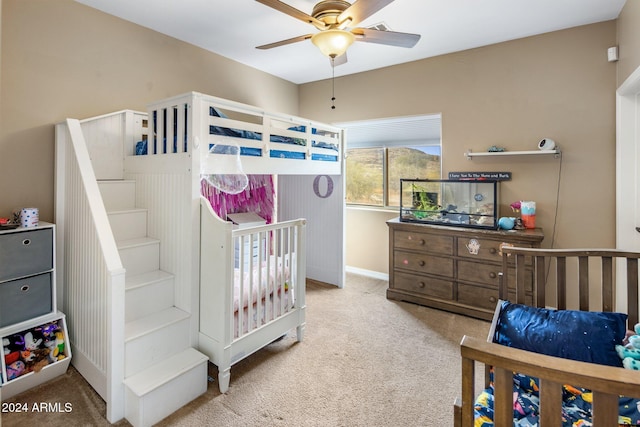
column 337, row 21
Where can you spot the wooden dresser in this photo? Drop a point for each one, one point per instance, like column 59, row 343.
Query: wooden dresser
column 451, row 268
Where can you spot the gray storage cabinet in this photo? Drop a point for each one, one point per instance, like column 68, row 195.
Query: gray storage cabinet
column 28, row 299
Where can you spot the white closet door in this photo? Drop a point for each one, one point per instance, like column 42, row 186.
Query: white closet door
column 627, row 175
column 319, row 199
column 628, row 163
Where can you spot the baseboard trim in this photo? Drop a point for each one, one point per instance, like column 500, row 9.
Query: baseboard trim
column 367, row 273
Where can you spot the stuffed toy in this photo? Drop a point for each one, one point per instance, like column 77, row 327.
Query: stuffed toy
column 15, row 369
column 58, row 350
column 31, row 343
column 630, row 352
column 12, row 347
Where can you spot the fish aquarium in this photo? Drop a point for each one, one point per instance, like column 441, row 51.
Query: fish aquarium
column 466, row 203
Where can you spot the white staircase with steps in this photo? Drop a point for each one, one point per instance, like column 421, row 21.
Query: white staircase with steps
column 162, row 371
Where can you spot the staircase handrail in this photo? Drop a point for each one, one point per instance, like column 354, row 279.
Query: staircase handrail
column 114, row 335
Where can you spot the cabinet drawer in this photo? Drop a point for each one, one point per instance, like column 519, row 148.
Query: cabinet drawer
column 423, row 263
column 477, row 272
column 477, row 296
column 480, row 297
column 25, row 298
column 477, row 248
column 424, row 285
column 423, row 242
column 488, row 274
column 25, row 253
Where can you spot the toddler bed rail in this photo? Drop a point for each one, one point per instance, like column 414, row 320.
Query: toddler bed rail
column 552, row 276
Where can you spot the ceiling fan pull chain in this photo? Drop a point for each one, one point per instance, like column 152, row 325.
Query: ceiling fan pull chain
column 333, row 83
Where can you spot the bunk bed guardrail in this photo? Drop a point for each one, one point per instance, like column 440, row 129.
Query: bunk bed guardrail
column 195, row 123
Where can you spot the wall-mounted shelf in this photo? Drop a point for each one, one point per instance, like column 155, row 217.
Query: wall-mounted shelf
column 470, row 154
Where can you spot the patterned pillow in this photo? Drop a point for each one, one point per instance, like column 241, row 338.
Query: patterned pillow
column 585, row 336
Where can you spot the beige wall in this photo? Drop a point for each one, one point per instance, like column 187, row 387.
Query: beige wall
column 366, row 241
column 628, row 39
column 557, row 85
column 62, row 59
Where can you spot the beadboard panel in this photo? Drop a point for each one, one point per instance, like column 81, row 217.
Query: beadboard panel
column 319, row 199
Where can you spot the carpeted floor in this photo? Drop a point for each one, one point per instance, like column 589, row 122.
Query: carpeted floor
column 364, row 361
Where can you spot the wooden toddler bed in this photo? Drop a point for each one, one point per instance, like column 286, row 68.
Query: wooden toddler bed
column 555, row 367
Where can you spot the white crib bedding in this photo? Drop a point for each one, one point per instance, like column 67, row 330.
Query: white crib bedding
column 271, row 281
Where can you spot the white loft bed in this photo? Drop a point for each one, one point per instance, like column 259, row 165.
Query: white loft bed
column 194, row 241
column 274, row 269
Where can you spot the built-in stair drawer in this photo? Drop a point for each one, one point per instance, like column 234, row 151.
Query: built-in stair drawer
column 25, row 298
column 25, row 253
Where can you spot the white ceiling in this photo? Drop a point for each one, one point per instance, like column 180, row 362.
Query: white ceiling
column 232, row 28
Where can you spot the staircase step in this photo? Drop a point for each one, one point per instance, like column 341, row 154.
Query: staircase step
column 153, row 338
column 139, row 255
column 147, row 293
column 118, row 195
column 163, row 388
column 129, row 224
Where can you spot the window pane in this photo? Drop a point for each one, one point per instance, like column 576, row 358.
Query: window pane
column 421, row 162
column 364, row 174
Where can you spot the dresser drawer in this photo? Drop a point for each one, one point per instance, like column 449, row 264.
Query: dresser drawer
column 488, row 274
column 423, row 285
column 481, row 297
column 478, row 248
column 477, row 296
column 478, row 272
column 25, row 298
column 423, row 263
column 25, row 253
column 437, row 244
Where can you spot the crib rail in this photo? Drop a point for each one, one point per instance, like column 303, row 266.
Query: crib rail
column 580, row 279
column 90, row 268
column 270, row 300
column 591, row 274
column 606, row 383
column 266, row 276
column 195, row 123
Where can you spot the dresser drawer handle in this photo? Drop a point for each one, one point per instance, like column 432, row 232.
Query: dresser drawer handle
column 493, row 275
column 422, row 241
column 24, row 288
column 422, row 284
column 421, row 263
column 26, row 242
column 493, row 251
column 493, row 299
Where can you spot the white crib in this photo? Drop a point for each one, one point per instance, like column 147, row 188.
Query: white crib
column 252, row 287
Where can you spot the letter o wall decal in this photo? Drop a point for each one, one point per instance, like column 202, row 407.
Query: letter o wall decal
column 316, row 186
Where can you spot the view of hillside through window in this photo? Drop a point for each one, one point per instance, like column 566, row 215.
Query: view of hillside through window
column 366, row 169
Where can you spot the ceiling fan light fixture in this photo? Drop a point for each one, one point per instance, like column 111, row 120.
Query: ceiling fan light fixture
column 333, row 43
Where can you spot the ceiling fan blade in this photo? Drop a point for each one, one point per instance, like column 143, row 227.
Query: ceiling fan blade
column 339, row 60
column 292, row 11
column 391, row 38
column 359, row 11
column 285, row 42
